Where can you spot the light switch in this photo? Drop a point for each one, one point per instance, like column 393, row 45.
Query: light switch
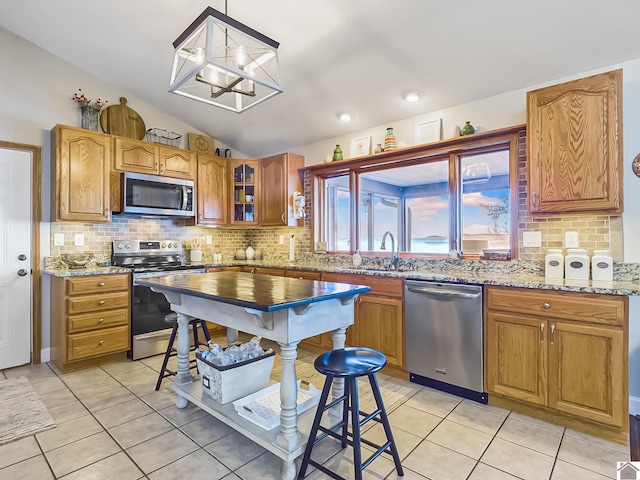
column 571, row 240
column 531, row 239
column 79, row 239
column 58, row 239
column 208, row 239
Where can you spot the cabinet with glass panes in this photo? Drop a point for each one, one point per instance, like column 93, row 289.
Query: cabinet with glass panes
column 244, row 194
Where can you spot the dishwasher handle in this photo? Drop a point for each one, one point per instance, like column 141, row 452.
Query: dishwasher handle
column 448, row 293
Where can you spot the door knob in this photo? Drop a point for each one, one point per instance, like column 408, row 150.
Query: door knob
column 22, row 257
column 22, row 272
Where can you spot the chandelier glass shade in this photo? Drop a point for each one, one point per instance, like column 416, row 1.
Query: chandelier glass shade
column 222, row 62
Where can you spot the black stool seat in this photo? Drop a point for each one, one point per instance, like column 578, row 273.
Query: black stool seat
column 349, row 364
column 172, row 318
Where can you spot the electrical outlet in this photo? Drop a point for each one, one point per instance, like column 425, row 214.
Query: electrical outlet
column 281, row 239
column 532, row 239
column 58, row 239
column 79, row 239
column 571, row 240
column 209, row 239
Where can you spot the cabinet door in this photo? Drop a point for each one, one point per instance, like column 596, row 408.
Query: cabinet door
column 176, row 163
column 211, row 189
column 516, row 356
column 574, row 140
column 280, row 178
column 83, row 175
column 587, row 371
column 379, row 325
column 245, row 191
column 135, row 156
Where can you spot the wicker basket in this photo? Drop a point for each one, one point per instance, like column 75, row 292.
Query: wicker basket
column 157, row 135
column 227, row 383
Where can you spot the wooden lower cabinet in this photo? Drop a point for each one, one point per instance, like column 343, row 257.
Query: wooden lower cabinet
column 89, row 320
column 570, row 367
column 378, row 315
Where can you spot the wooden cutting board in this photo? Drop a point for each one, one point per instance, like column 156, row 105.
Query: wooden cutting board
column 122, row 120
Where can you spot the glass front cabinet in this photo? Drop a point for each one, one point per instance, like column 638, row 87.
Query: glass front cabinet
column 244, row 194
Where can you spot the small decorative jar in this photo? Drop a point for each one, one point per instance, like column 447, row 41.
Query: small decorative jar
column 467, row 129
column 250, row 252
column 389, row 140
column 378, row 148
column 337, row 153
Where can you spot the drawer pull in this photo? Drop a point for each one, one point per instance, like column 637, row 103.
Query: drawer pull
column 553, row 327
column 101, row 284
column 546, row 305
column 100, row 342
column 101, row 302
column 541, row 332
column 101, row 320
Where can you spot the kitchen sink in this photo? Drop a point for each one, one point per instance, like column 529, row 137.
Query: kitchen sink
column 366, row 268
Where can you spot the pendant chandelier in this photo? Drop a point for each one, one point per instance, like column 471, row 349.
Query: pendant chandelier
column 222, row 62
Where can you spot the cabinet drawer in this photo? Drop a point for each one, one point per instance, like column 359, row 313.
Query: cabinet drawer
column 99, row 320
column 584, row 307
column 97, row 283
column 97, row 303
column 391, row 287
column 94, row 344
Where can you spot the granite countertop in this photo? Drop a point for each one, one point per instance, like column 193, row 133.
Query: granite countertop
column 465, row 272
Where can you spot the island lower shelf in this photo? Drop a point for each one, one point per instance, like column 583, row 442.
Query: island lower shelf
column 226, row 413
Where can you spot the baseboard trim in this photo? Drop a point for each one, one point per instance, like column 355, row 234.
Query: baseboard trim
column 634, row 405
column 45, row 355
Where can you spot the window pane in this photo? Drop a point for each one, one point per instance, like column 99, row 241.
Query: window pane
column 338, row 213
column 485, row 201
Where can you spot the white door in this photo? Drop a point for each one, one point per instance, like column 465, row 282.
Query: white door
column 15, row 257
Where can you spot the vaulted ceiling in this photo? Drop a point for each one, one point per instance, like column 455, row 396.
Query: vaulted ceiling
column 337, row 55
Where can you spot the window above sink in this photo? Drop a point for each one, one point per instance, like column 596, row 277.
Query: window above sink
column 457, row 194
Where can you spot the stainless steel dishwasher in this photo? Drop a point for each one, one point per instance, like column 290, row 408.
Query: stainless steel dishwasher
column 443, row 337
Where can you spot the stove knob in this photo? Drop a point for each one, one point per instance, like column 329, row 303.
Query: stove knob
column 164, row 245
column 127, row 245
column 120, row 246
column 175, row 244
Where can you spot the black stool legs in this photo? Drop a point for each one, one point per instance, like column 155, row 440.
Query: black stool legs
column 354, row 439
column 172, row 351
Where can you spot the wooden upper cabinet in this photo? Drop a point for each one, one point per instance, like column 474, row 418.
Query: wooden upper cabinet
column 145, row 157
column 211, row 187
column 244, row 181
column 174, row 162
column 82, row 173
column 135, row 156
column 574, row 146
column 280, row 178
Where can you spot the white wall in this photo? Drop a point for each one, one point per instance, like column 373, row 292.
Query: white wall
column 35, row 95
column 509, row 109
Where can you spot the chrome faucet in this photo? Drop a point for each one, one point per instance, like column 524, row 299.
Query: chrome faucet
column 394, row 252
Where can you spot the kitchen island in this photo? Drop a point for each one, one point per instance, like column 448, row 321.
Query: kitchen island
column 286, row 310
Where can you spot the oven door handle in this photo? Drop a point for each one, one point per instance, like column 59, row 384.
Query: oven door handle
column 159, row 333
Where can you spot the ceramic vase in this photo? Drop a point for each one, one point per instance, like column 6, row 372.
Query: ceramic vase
column 389, row 140
column 250, row 252
column 337, row 153
column 467, row 129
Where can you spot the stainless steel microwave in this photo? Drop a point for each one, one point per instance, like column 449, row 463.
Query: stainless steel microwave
column 156, row 195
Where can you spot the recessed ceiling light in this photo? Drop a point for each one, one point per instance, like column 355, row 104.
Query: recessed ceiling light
column 412, row 96
column 346, row 117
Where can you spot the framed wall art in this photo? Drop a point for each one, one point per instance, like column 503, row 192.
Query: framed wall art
column 360, row 147
column 427, row 132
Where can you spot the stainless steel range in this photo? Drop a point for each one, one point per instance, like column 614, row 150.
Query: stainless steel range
column 150, row 334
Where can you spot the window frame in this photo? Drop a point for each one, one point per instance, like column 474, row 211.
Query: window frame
column 453, row 149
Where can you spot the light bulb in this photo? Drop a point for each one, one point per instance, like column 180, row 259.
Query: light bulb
column 241, row 56
column 346, row 117
column 199, row 54
column 412, row 96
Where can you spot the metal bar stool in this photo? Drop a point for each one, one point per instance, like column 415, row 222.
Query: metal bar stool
column 172, row 318
column 349, row 364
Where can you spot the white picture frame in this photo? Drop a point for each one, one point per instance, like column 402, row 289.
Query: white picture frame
column 360, row 147
column 427, row 132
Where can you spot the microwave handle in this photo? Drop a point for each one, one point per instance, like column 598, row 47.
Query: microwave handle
column 184, row 197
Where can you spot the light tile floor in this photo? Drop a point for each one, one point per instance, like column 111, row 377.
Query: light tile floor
column 112, row 424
